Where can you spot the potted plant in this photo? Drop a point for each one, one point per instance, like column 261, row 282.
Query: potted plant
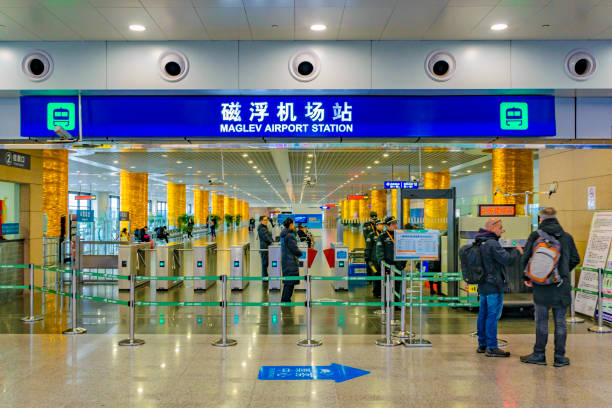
column 229, row 220
column 238, row 219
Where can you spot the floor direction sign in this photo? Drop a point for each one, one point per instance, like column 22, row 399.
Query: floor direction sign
column 337, row 372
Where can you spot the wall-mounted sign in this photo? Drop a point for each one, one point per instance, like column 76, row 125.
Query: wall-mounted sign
column 15, row 159
column 392, row 185
column 85, row 197
column 591, row 198
column 416, row 245
column 356, row 197
column 124, row 216
column 10, row 228
column 496, row 210
column 292, row 116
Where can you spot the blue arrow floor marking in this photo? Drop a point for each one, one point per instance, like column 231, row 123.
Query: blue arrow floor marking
column 337, row 372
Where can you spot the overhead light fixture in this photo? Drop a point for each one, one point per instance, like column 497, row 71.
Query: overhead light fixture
column 258, row 171
column 307, row 167
column 484, row 167
column 189, row 167
column 318, row 27
column 430, row 167
column 245, row 155
column 499, row 26
column 310, row 155
column 386, row 155
column 376, row 161
column 444, row 161
column 178, row 162
column 369, row 167
column 255, row 167
column 469, row 171
column 137, row 27
column 116, row 161
column 132, row 167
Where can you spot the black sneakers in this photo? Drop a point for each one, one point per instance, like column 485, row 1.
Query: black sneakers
column 534, row 359
column 496, row 353
column 481, row 349
column 561, row 361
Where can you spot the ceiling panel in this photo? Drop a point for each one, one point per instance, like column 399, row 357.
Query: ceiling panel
column 122, row 17
column 86, row 21
column 456, row 22
column 306, row 17
column 262, row 22
column 179, row 23
column 225, row 23
column 412, row 20
column 363, row 23
column 41, row 22
column 10, row 30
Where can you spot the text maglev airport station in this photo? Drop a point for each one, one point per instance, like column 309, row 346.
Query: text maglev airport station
column 286, row 128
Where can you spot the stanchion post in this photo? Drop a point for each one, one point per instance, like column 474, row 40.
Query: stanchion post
column 402, row 333
column 420, row 342
column 31, row 317
column 308, row 341
column 73, row 309
column 573, row 319
column 224, row 341
column 387, row 341
column 382, row 290
column 600, row 328
column 132, row 341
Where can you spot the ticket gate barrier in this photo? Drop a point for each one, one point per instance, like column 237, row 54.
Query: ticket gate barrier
column 240, row 258
column 302, row 265
column 341, row 265
column 204, row 264
column 133, row 259
column 169, row 263
column 274, row 266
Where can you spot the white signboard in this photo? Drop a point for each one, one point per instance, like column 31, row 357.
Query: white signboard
column 591, row 198
column 596, row 257
column 413, row 245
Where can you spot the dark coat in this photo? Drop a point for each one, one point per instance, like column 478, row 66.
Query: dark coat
column 494, row 259
column 370, row 249
column 289, row 254
column 553, row 295
column 265, row 236
column 368, row 227
column 385, row 250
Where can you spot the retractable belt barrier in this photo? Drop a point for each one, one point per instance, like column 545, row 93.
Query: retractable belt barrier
column 387, row 302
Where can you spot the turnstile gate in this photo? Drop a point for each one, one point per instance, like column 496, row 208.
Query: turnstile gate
column 240, row 264
column 302, row 265
column 169, row 263
column 341, row 265
column 204, row 264
column 274, row 266
column 133, row 259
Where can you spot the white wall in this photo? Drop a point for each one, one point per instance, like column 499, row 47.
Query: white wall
column 473, row 190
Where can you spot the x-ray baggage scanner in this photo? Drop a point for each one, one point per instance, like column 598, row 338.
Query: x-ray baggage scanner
column 204, row 264
column 240, row 264
column 302, row 265
column 169, row 263
column 274, row 266
column 341, row 265
column 133, row 259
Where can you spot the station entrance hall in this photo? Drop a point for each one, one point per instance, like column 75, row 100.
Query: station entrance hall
column 396, row 203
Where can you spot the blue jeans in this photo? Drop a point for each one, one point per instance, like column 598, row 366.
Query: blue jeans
column 488, row 315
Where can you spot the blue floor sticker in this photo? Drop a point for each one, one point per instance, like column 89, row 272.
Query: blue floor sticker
column 337, row 372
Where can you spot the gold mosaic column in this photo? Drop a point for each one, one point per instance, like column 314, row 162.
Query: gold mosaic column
column 394, row 203
column 379, row 203
column 134, row 198
column 364, row 211
column 55, row 189
column 197, row 206
column 344, row 210
column 406, row 211
column 436, row 210
column 353, row 209
column 177, row 202
column 217, row 205
column 512, row 173
column 205, row 204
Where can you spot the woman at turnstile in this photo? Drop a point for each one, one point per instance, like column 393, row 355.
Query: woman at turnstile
column 290, row 253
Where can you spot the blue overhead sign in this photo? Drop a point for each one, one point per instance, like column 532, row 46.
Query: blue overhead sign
column 336, row 372
column 85, row 216
column 391, row 185
column 291, row 116
column 10, row 228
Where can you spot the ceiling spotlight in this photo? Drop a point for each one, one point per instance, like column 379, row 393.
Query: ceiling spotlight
column 469, row 171
column 318, row 27
column 199, row 171
column 178, row 162
column 444, row 161
column 310, row 155
column 369, row 167
column 164, row 155
column 258, row 171
column 484, row 167
column 137, row 27
column 499, row 26
column 116, row 161
column 430, row 167
column 376, row 161
column 132, row 167
column 308, row 162
column 386, row 155
column 245, row 155
column 189, row 167
column 254, row 167
column 307, row 167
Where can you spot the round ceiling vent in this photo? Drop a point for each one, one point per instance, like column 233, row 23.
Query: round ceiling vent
column 305, row 65
column 580, row 65
column 173, row 66
column 37, row 65
column 440, row 65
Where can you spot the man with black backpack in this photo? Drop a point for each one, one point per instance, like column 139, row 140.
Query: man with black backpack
column 550, row 255
column 491, row 282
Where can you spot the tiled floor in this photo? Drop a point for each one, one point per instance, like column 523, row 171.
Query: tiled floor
column 180, row 371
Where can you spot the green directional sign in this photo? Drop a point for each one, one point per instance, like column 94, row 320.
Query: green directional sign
column 513, row 116
column 61, row 114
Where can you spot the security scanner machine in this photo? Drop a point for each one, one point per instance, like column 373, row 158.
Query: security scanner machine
column 240, row 264
column 302, row 265
column 204, row 264
column 341, row 265
column 517, row 230
column 274, row 266
column 133, row 259
column 169, row 263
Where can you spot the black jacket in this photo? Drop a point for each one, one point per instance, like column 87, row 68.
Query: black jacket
column 265, row 236
column 553, row 295
column 370, row 246
column 494, row 259
column 289, row 254
column 385, row 250
column 368, row 227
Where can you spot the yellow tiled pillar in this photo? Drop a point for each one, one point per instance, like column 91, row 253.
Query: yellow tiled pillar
column 512, row 173
column 436, row 210
column 177, row 202
column 353, row 211
column 344, row 210
column 394, row 203
column 197, row 206
column 218, row 207
column 134, row 198
column 379, row 202
column 55, row 189
column 205, row 204
column 364, row 210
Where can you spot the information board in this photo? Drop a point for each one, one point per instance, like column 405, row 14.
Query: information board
column 393, row 185
column 596, row 256
column 420, row 245
column 180, row 116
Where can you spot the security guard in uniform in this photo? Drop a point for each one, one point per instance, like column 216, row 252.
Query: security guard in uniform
column 385, row 250
column 373, row 268
column 368, row 226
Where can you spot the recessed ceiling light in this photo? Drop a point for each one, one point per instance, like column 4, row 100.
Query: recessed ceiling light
column 318, row 27
column 189, row 167
column 376, row 161
column 310, row 155
column 258, row 171
column 499, row 26
column 444, row 161
column 199, row 171
column 308, row 162
column 116, row 161
column 255, row 167
column 245, row 155
column 430, row 167
column 484, row 167
column 307, row 167
column 369, row 167
column 386, row 155
column 132, row 167
column 137, row 27
column 469, row 171
column 178, row 162
column 164, row 155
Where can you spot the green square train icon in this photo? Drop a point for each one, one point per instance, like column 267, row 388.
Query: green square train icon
column 513, row 116
column 61, row 114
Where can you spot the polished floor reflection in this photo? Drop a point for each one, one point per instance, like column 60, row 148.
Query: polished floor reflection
column 186, row 371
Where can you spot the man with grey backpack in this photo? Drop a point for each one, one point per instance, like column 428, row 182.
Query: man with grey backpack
column 550, row 255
